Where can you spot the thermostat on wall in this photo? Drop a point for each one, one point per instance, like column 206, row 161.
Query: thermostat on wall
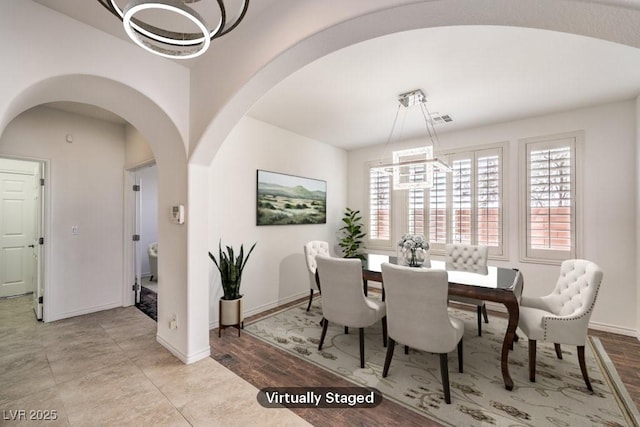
column 177, row 214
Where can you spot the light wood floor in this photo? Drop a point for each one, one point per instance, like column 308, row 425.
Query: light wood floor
column 263, row 365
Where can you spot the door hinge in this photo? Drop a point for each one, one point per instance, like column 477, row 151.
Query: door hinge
column 135, row 287
column 136, row 187
column 42, row 181
column 40, row 300
column 41, row 240
column 136, row 237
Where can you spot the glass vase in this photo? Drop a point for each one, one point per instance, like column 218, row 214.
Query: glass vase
column 414, row 257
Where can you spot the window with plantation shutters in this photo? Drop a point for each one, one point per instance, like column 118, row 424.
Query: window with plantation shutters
column 550, row 205
column 475, row 200
column 464, row 206
column 379, row 214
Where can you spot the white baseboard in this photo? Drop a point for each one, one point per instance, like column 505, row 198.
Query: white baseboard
column 614, row 329
column 88, row 310
column 214, row 323
column 186, row 359
column 593, row 325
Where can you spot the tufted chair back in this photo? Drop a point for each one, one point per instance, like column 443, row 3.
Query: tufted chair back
column 417, row 313
column 152, row 251
column 466, row 257
column 576, row 289
column 343, row 299
column 311, row 250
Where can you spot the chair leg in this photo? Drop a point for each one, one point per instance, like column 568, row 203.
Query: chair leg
column 406, row 349
column 532, row 361
column 310, row 299
column 361, row 347
column 444, row 371
column 324, row 332
column 484, row 313
column 583, row 367
column 387, row 360
column 384, row 331
column 460, row 364
column 558, row 350
column 515, row 339
column 346, row 330
column 479, row 309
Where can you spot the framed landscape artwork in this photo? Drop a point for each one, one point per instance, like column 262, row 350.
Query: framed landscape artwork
column 287, row 199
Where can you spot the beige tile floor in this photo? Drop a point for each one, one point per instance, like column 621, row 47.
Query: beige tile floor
column 107, row 369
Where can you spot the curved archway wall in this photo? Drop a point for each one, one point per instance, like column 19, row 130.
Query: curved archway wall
column 279, row 49
column 84, row 65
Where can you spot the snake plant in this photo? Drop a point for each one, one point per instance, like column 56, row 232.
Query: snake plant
column 231, row 268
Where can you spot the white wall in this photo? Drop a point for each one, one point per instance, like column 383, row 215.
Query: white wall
column 84, row 271
column 136, row 149
column 637, row 214
column 608, row 207
column 276, row 271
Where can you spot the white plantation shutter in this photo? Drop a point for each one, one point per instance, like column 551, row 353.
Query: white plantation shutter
column 461, row 201
column 416, row 214
column 550, row 200
column 416, row 203
column 379, row 215
column 489, row 198
column 438, row 210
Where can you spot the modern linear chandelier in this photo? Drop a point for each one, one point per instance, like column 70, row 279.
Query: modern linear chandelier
column 177, row 29
column 413, row 168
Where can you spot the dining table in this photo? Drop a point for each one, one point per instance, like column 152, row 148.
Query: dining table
column 488, row 283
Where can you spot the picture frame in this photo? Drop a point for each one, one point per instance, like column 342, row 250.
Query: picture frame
column 283, row 199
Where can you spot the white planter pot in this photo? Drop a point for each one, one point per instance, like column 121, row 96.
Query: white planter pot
column 231, row 312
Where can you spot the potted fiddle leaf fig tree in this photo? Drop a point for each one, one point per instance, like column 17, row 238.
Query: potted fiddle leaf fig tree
column 352, row 234
column 230, row 267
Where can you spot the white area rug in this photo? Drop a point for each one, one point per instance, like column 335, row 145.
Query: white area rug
column 559, row 396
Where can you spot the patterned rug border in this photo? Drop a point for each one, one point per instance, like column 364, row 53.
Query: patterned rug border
column 628, row 408
column 610, row 374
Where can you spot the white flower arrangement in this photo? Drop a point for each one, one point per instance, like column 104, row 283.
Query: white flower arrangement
column 413, row 241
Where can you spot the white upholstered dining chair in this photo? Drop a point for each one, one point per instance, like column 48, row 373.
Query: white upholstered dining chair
column 152, row 252
column 417, row 316
column 471, row 258
column 343, row 300
column 562, row 317
column 311, row 250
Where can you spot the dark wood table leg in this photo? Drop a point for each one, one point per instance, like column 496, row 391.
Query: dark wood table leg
column 365, row 287
column 514, row 315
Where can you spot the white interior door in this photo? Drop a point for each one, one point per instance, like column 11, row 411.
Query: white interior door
column 17, row 233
